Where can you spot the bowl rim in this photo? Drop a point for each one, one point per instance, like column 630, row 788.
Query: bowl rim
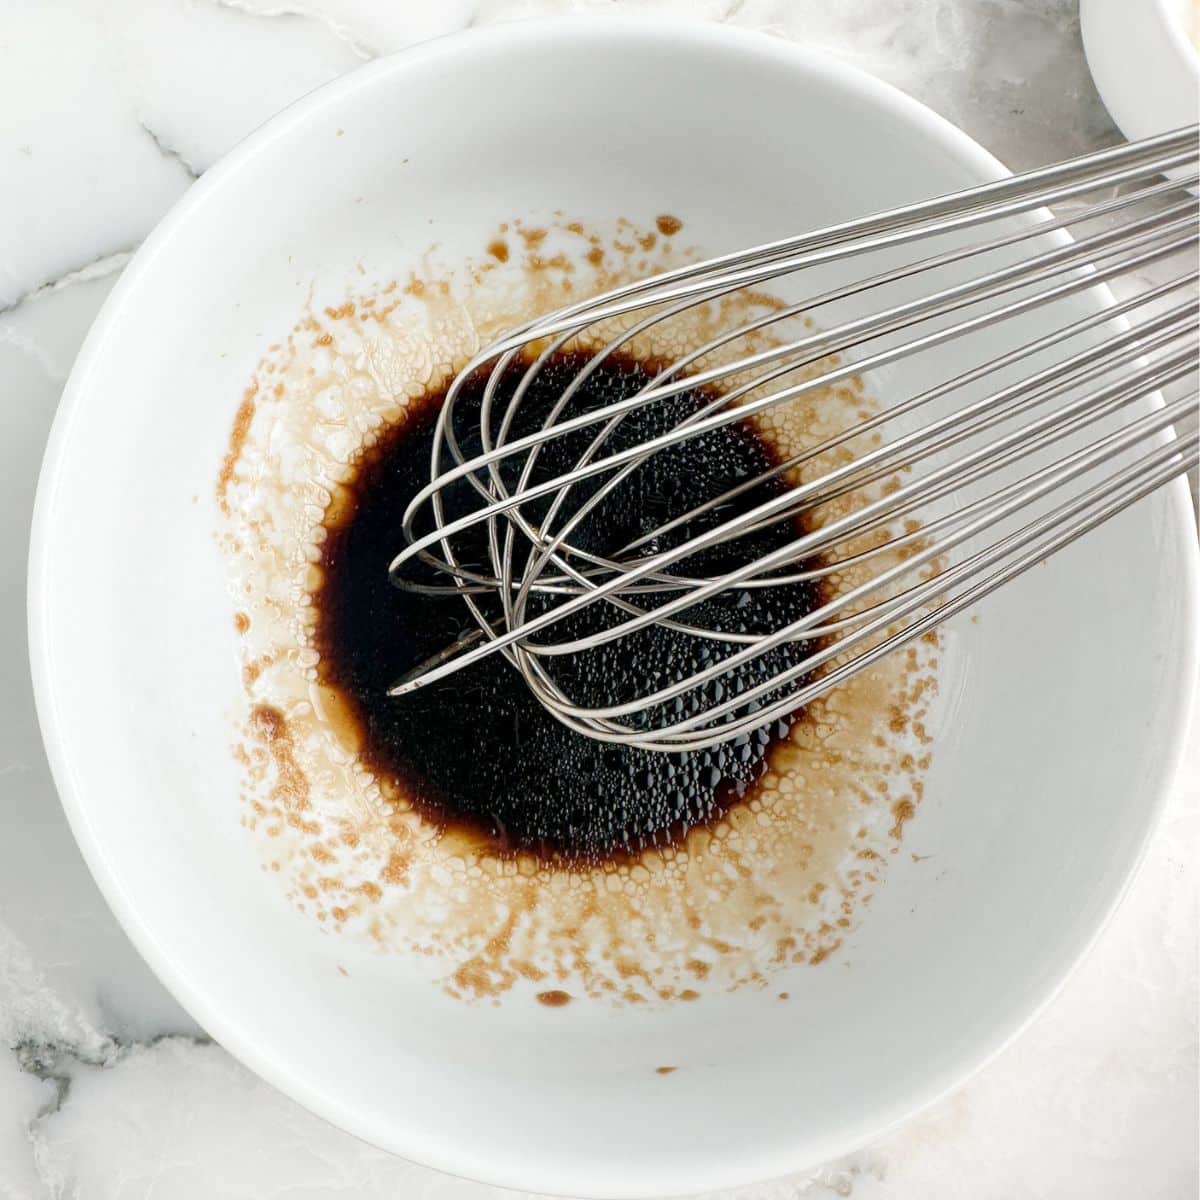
column 664, row 1179
column 1181, row 43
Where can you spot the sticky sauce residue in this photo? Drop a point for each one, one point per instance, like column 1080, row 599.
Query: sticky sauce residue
column 289, row 786
column 554, row 998
column 780, row 880
column 237, row 441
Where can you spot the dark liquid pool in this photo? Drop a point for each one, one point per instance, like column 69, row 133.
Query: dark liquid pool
column 477, row 750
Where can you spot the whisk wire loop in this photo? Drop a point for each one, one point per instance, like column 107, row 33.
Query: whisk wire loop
column 1034, row 418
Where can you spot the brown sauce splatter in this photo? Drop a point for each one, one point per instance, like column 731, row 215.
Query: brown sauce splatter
column 554, row 998
column 237, row 441
column 291, row 784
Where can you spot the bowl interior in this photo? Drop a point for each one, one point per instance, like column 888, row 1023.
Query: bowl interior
column 1058, row 717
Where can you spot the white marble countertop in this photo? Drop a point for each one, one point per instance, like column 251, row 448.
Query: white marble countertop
column 107, row 1089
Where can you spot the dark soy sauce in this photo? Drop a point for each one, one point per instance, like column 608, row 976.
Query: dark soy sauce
column 477, row 750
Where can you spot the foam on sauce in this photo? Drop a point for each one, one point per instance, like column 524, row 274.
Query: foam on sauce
column 775, row 879
column 477, row 750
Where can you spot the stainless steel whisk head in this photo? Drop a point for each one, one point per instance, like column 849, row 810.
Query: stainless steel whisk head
column 1032, row 421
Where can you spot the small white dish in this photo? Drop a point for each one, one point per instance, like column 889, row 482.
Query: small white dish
column 1144, row 61
column 1055, row 748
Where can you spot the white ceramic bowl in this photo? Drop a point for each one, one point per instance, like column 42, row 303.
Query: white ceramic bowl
column 1056, row 741
column 1145, row 64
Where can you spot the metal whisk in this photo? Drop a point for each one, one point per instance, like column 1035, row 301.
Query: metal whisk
column 1034, row 420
